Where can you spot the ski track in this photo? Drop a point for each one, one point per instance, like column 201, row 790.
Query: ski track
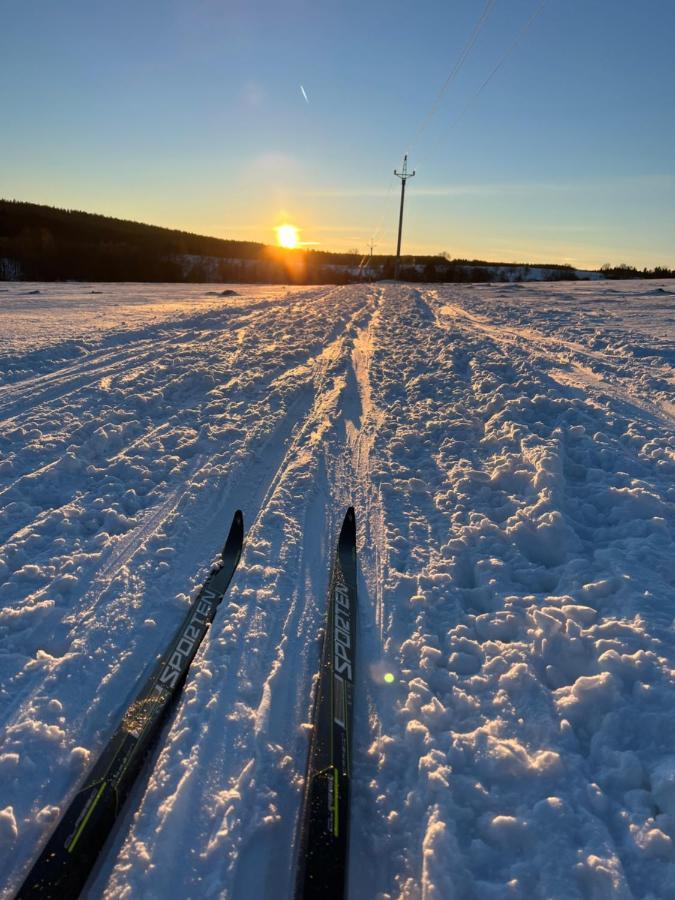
column 510, row 453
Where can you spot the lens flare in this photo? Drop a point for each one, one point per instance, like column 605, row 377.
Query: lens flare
column 389, row 677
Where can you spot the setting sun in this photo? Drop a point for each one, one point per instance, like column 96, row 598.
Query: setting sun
column 287, row 236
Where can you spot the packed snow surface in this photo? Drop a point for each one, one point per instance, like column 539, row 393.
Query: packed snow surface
column 510, row 453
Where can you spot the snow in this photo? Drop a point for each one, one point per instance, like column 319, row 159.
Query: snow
column 510, row 453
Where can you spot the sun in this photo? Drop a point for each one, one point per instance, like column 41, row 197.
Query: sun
column 287, row 236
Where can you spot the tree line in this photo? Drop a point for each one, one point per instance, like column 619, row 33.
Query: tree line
column 43, row 243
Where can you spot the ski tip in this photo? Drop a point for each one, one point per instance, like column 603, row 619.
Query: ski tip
column 235, row 538
column 348, row 530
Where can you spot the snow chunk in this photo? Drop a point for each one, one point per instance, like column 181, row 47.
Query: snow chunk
column 583, row 615
column 544, row 541
column 663, row 785
column 80, row 756
column 434, row 766
column 588, row 699
column 602, row 879
column 508, row 832
column 464, row 663
column 597, row 590
column 506, row 758
column 500, row 627
column 9, row 761
column 35, row 729
column 651, row 841
column 8, row 827
column 439, row 850
column 48, row 815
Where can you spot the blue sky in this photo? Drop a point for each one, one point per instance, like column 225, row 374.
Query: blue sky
column 190, row 115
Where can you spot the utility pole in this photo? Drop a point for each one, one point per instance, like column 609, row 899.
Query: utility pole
column 370, row 259
column 403, row 175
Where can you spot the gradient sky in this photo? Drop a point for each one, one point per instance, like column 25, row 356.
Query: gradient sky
column 190, row 114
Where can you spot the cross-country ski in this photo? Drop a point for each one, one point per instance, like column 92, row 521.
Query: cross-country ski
column 324, row 819
column 64, row 864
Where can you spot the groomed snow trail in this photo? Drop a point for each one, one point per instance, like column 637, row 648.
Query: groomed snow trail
column 510, row 453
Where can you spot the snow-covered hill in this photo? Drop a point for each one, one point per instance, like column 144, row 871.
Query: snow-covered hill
column 511, row 456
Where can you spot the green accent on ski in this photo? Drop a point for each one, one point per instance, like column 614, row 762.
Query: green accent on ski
column 336, row 805
column 83, row 823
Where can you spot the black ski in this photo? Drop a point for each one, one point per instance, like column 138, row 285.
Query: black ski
column 64, row 865
column 324, row 821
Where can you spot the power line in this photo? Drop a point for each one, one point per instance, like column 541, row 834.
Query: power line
column 380, row 225
column 519, row 37
column 448, row 81
column 489, row 6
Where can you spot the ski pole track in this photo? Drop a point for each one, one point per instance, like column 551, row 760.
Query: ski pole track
column 149, row 317
column 163, row 355
column 64, row 383
column 516, row 528
column 164, row 343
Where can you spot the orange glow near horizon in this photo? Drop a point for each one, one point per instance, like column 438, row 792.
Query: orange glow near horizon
column 287, row 236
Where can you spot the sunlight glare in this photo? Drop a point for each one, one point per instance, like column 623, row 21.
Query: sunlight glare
column 287, row 236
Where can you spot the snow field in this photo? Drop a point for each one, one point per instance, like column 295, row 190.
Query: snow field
column 510, row 453
column 528, row 565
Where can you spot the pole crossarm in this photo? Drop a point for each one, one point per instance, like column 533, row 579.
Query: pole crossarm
column 405, row 173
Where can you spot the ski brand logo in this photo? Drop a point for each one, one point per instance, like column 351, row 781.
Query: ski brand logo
column 342, row 642
column 187, row 642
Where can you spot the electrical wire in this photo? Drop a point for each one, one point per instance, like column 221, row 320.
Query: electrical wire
column 376, row 233
column 380, row 225
column 487, row 9
column 455, row 71
column 489, row 6
column 519, row 37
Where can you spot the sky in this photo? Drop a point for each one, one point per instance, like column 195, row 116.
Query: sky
column 231, row 118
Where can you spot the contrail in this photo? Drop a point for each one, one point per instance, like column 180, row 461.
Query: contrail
column 304, row 93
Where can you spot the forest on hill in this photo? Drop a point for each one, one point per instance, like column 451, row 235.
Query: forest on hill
column 48, row 244
column 43, row 243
